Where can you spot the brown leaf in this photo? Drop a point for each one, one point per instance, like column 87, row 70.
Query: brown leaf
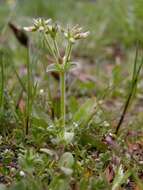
column 19, row 34
column 21, row 105
column 109, row 172
column 137, row 188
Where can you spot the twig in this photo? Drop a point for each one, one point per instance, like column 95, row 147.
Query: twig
column 134, row 84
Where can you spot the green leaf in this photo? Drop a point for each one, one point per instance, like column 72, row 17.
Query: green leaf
column 85, row 112
column 66, row 160
column 48, row 151
column 84, row 183
column 67, row 171
column 94, row 141
column 20, row 185
column 70, row 65
column 53, row 68
column 68, row 136
column 73, row 104
column 40, row 116
column 59, row 183
column 120, row 178
column 61, row 67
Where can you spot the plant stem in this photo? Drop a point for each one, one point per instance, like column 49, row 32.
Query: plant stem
column 52, row 52
column 2, row 83
column 28, row 94
column 135, row 77
column 63, row 98
column 56, row 48
column 68, row 52
column 48, row 45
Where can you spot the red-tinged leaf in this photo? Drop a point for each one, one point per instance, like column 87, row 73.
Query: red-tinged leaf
column 22, row 105
column 109, row 172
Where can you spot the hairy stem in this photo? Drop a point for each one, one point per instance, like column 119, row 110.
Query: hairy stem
column 63, row 98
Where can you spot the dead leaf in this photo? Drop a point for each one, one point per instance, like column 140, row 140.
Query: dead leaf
column 109, row 172
column 19, row 34
column 22, row 105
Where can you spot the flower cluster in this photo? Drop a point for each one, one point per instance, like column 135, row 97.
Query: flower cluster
column 75, row 33
column 49, row 27
column 43, row 25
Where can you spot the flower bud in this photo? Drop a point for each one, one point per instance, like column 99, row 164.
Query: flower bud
column 30, row 29
column 72, row 40
column 41, row 28
column 81, row 35
column 74, row 34
column 48, row 21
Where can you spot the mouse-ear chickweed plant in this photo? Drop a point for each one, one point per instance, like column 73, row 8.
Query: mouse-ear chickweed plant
column 51, row 31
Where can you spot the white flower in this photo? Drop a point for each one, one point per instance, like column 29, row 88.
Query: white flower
column 22, row 173
column 41, row 28
column 75, row 33
column 106, row 124
column 48, row 21
column 41, row 91
column 75, row 124
column 68, row 136
column 82, row 35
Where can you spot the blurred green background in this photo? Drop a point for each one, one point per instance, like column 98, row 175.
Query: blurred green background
column 109, row 21
column 106, row 62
